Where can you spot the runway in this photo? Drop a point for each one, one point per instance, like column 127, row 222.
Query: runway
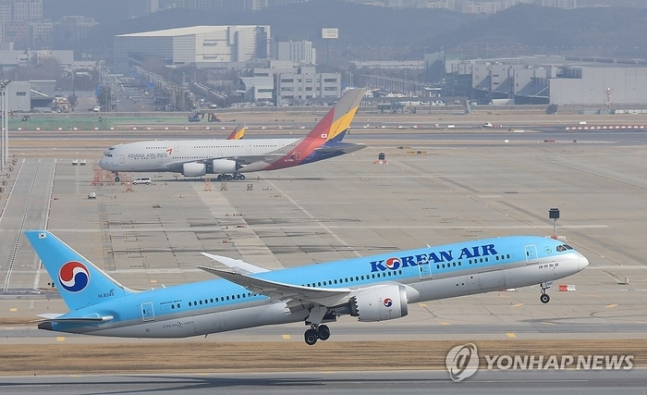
column 331, row 383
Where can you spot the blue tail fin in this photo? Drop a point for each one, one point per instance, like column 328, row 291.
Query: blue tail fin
column 79, row 282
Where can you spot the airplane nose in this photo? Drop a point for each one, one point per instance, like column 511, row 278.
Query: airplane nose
column 583, row 262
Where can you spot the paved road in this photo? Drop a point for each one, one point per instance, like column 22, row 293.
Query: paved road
column 334, row 383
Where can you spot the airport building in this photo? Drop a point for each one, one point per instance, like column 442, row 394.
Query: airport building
column 280, row 85
column 204, row 46
column 542, row 80
column 300, row 52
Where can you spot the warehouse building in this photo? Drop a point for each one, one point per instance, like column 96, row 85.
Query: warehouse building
column 543, row 80
column 204, row 46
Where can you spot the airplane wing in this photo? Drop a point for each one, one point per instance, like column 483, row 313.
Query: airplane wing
column 281, row 291
column 237, row 265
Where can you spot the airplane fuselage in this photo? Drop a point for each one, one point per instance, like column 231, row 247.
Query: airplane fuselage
column 170, row 155
column 425, row 274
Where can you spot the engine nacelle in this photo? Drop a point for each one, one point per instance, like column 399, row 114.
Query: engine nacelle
column 223, row 166
column 194, row 169
column 380, row 303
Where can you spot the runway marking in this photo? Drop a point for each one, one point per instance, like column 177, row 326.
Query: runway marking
column 611, row 306
column 60, row 339
column 511, row 334
column 444, row 323
column 517, row 305
column 13, row 309
column 154, row 281
column 422, row 305
column 286, row 337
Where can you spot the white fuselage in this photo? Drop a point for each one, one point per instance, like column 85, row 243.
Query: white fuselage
column 170, row 155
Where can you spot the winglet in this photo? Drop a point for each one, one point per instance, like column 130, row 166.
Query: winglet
column 238, row 133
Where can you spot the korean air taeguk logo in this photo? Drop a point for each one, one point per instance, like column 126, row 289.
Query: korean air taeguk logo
column 73, row 276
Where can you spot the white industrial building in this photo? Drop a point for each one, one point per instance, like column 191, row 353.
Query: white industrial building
column 544, row 80
column 280, row 85
column 301, row 52
column 204, row 46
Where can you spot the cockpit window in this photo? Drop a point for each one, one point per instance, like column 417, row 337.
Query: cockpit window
column 563, row 247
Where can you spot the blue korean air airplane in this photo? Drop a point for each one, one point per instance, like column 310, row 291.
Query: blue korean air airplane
column 376, row 288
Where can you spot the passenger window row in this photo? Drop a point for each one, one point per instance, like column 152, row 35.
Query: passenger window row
column 220, row 299
column 387, row 273
column 471, row 261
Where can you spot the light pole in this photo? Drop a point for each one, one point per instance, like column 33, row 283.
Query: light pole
column 4, row 102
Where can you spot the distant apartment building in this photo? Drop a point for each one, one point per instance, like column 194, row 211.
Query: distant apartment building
column 300, row 52
column 27, row 10
column 41, row 35
column 232, row 5
column 5, row 11
column 70, row 29
column 139, row 8
column 468, row 6
column 204, row 46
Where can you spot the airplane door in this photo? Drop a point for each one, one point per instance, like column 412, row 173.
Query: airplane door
column 425, row 270
column 122, row 159
column 531, row 254
column 147, row 312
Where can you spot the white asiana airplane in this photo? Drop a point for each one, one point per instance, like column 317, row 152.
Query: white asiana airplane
column 376, row 288
column 230, row 158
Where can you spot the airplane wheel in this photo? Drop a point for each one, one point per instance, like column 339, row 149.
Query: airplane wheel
column 544, row 298
column 310, row 337
column 242, row 176
column 117, row 179
column 323, row 332
column 228, row 177
column 236, row 177
column 219, row 178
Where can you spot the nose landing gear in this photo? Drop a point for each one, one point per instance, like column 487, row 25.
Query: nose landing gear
column 545, row 298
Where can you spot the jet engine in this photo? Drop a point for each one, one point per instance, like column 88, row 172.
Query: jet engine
column 194, row 169
column 380, row 303
column 222, row 166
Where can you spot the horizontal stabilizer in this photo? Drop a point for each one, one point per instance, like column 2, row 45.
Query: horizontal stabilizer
column 237, row 265
column 74, row 320
column 340, row 148
column 276, row 290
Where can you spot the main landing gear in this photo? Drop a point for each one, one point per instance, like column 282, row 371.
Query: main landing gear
column 545, row 298
column 229, row 177
column 316, row 332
